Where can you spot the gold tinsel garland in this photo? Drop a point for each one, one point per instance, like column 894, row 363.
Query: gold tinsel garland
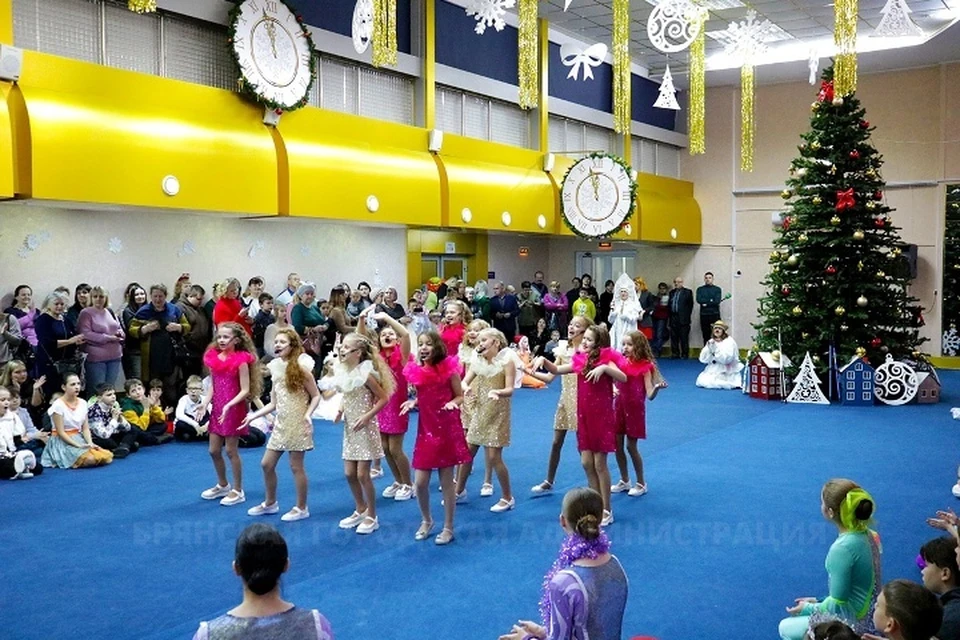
column 384, row 33
column 696, row 110
column 528, row 54
column 747, row 124
column 845, row 37
column 142, row 6
column 621, row 66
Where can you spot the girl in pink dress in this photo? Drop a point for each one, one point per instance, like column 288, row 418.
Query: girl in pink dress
column 440, row 441
column 643, row 383
column 230, row 361
column 456, row 317
column 595, row 364
column 394, row 343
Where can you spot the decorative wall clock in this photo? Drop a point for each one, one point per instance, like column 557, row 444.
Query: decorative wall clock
column 598, row 195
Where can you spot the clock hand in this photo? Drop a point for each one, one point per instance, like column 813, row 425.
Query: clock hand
column 271, row 33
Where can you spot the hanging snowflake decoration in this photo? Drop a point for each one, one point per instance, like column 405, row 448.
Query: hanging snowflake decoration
column 951, row 342
column 23, row 252
column 896, row 21
column 489, row 13
column 187, row 249
column 256, row 248
column 814, row 65
column 115, row 245
column 44, row 236
column 31, row 242
column 674, row 25
column 747, row 39
column 668, row 94
column 304, row 250
column 895, row 383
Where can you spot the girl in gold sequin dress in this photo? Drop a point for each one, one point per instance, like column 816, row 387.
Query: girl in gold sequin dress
column 366, row 383
column 466, row 353
column 294, row 396
column 490, row 381
column 566, row 417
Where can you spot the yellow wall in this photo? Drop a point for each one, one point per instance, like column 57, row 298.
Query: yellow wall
column 913, row 111
column 6, row 21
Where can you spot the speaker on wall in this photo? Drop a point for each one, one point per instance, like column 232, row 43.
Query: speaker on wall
column 435, row 140
column 11, row 63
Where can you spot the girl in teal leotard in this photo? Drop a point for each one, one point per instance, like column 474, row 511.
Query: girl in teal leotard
column 853, row 565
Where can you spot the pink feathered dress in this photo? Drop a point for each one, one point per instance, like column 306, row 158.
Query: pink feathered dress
column 630, row 405
column 391, row 422
column 596, row 426
column 440, row 440
column 225, row 374
column 452, row 336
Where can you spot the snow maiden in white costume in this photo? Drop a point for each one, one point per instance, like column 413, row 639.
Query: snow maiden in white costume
column 625, row 310
column 722, row 358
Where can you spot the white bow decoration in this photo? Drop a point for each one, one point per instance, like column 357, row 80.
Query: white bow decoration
column 576, row 57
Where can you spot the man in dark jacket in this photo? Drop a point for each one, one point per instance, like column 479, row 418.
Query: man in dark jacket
column 709, row 297
column 940, row 575
column 504, row 309
column 681, row 308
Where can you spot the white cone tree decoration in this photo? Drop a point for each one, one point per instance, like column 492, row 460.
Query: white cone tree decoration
column 806, row 386
column 896, row 21
column 668, row 93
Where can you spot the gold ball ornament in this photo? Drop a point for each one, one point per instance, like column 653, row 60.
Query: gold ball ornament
column 797, row 311
column 832, row 170
column 897, row 251
column 862, row 301
column 816, row 358
column 775, row 354
column 814, row 106
column 872, row 173
column 835, row 220
column 793, row 260
column 802, row 237
column 805, row 335
column 881, row 275
column 840, row 311
column 802, row 171
column 774, row 256
column 815, row 145
column 871, row 204
column 861, row 352
column 860, row 266
column 817, row 200
column 838, row 101
column 785, row 194
column 858, row 234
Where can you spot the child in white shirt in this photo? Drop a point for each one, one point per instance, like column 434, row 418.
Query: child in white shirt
column 188, row 425
column 13, row 464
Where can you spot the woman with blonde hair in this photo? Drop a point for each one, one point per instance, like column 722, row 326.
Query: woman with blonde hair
column 230, row 308
column 104, row 339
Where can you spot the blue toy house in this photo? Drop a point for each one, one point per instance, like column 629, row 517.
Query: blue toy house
column 855, row 383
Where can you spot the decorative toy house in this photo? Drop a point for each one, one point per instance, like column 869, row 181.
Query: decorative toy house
column 855, row 383
column 766, row 375
column 929, row 390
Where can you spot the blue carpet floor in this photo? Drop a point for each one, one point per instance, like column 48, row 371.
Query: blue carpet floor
column 729, row 534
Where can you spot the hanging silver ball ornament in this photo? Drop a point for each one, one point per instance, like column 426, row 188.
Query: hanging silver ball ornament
column 840, row 311
column 862, row 301
column 884, row 349
column 838, row 101
column 793, row 260
column 858, row 234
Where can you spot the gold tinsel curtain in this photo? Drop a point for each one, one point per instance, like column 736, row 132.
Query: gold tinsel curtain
column 142, row 6
column 696, row 110
column 621, row 66
column 845, row 37
column 748, row 127
column 384, row 33
column 529, row 57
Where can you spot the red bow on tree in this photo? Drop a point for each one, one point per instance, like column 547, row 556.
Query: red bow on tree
column 826, row 92
column 845, row 200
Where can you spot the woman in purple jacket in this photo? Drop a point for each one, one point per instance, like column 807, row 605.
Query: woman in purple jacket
column 104, row 340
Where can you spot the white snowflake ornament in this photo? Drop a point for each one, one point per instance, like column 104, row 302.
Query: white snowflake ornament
column 256, row 248
column 23, row 252
column 115, row 245
column 951, row 342
column 44, row 236
column 489, row 13
column 187, row 249
column 31, row 242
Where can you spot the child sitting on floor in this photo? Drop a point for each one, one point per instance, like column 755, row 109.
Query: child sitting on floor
column 32, row 439
column 108, row 427
column 144, row 412
column 906, row 611
column 13, row 464
column 189, row 426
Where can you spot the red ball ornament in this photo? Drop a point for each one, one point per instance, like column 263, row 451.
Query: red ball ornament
column 831, row 270
column 855, row 155
column 785, row 290
column 864, row 124
column 786, row 223
column 879, row 222
column 878, row 195
column 876, row 342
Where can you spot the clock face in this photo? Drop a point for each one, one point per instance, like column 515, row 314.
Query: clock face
column 362, row 25
column 597, row 196
column 273, row 51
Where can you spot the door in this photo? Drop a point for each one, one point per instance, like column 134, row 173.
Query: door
column 444, row 266
column 605, row 265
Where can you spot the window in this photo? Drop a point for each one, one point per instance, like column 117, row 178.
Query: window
column 477, row 116
column 579, row 139
column 851, row 385
column 851, row 396
column 867, row 396
column 867, row 375
column 850, row 375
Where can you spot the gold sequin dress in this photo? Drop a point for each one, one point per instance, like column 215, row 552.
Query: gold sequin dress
column 363, row 444
column 466, row 355
column 490, row 419
column 566, row 416
column 290, row 430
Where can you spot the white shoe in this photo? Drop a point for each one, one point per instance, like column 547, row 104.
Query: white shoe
column 376, row 473
column 295, row 514
column 405, row 492
column 391, row 491
column 486, row 490
column 25, row 475
column 352, row 520
column 369, row 525
column 542, row 489
column 620, row 487
column 264, row 509
column 462, row 498
column 234, row 497
column 607, row 518
column 504, row 505
column 215, row 492
column 956, row 489
column 638, row 490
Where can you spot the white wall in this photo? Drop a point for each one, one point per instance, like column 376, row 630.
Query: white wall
column 77, row 250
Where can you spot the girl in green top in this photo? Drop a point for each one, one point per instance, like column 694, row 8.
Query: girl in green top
column 853, row 565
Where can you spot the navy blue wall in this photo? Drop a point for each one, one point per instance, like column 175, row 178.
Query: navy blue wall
column 643, row 94
column 492, row 55
column 337, row 16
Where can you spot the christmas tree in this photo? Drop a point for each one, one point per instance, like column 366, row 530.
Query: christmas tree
column 838, row 276
column 951, row 274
